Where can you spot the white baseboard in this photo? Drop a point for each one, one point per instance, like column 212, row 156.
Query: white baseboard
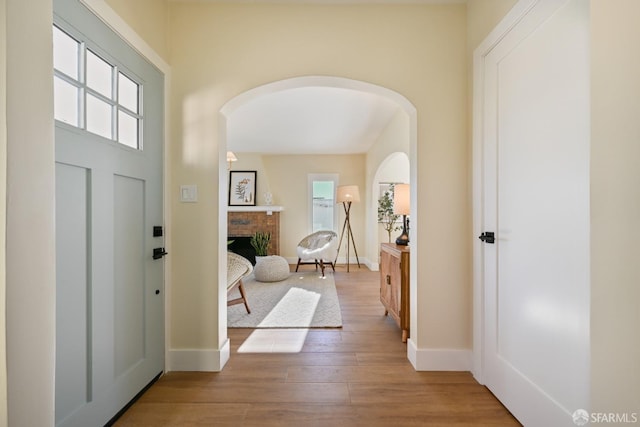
column 373, row 266
column 204, row 360
column 438, row 360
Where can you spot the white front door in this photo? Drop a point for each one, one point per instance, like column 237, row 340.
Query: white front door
column 109, row 288
column 534, row 145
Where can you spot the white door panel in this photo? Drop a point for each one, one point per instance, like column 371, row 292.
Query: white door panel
column 536, row 198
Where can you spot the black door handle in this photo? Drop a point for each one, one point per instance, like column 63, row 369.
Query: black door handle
column 488, row 237
column 159, row 253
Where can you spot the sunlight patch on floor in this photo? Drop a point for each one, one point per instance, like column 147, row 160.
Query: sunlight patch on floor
column 274, row 341
column 299, row 303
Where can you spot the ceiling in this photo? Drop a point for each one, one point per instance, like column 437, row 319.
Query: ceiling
column 310, row 120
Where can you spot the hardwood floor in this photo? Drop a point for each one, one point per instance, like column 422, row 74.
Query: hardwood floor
column 355, row 376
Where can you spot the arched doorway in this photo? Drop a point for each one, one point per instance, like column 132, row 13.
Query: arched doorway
column 227, row 111
column 394, row 168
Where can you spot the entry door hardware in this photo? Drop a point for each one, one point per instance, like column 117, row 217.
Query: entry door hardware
column 157, row 231
column 488, row 237
column 159, row 253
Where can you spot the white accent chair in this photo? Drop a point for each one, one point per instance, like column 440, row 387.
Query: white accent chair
column 238, row 268
column 320, row 247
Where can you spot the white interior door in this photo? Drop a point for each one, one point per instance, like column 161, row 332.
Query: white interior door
column 535, row 198
column 109, row 289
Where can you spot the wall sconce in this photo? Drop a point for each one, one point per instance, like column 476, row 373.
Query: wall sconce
column 231, row 158
column 402, row 206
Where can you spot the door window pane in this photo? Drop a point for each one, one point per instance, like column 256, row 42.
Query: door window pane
column 65, row 101
column 99, row 75
column 99, row 117
column 65, row 53
column 127, row 130
column 127, row 93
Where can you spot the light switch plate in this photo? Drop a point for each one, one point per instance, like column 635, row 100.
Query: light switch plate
column 188, row 193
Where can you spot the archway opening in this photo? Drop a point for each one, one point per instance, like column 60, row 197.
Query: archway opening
column 409, row 166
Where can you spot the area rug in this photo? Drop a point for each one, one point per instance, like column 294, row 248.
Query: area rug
column 304, row 300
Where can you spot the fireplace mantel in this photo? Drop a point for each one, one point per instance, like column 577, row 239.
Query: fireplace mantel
column 264, row 208
column 244, row 221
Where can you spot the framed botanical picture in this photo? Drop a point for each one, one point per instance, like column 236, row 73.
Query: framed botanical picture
column 242, row 188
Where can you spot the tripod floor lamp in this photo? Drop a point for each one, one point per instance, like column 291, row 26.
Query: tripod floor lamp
column 346, row 195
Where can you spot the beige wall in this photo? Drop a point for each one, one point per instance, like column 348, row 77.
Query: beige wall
column 148, row 18
column 285, row 176
column 254, row 162
column 288, row 176
column 30, row 268
column 615, row 206
column 393, row 139
column 415, row 50
column 482, row 17
column 373, row 43
column 3, row 215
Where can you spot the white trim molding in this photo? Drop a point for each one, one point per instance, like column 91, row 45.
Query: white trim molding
column 204, row 360
column 438, row 359
column 504, row 27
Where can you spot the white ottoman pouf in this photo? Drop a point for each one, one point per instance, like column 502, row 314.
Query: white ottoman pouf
column 272, row 268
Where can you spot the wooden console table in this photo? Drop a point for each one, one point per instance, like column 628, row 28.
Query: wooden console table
column 394, row 284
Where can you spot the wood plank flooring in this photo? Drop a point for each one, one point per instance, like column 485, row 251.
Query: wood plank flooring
column 358, row 375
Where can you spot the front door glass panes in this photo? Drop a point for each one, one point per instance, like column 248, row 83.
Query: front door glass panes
column 99, row 75
column 66, row 53
column 89, row 96
column 65, row 101
column 127, row 93
column 99, row 117
column 128, row 129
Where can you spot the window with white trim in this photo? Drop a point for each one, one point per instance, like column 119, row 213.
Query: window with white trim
column 323, row 213
column 93, row 94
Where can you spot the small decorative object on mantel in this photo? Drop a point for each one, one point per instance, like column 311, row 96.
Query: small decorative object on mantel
column 268, row 198
column 401, row 206
column 242, row 188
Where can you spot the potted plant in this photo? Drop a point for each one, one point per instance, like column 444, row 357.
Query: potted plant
column 386, row 217
column 260, row 242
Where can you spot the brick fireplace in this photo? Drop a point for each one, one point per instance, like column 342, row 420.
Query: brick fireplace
column 243, row 222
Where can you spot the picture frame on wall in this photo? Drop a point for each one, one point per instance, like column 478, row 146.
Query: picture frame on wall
column 242, row 188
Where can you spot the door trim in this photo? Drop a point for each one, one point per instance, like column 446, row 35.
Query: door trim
column 508, row 23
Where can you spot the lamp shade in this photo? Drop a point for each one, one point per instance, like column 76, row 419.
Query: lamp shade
column 348, row 193
column 401, row 199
